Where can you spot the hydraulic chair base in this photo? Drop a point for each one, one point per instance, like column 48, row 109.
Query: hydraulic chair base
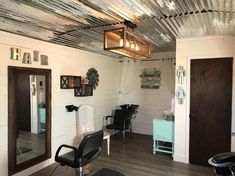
column 79, row 172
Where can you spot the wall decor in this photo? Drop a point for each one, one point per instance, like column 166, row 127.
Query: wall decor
column 151, row 78
column 15, row 53
column 180, row 94
column 27, row 58
column 35, row 56
column 181, row 74
column 93, row 77
column 70, row 82
column 84, row 90
column 44, row 60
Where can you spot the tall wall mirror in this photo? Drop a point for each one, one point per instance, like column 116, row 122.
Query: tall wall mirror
column 29, row 117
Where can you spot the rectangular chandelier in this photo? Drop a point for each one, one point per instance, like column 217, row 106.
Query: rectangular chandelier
column 126, row 42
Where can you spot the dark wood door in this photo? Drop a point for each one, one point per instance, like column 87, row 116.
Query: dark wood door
column 210, row 108
column 23, row 101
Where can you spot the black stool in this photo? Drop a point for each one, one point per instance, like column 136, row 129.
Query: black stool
column 107, row 172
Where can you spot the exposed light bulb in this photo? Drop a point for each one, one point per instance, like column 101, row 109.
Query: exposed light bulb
column 127, row 43
column 137, row 47
column 121, row 42
column 132, row 46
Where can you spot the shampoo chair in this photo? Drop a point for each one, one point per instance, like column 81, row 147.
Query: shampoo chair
column 223, row 163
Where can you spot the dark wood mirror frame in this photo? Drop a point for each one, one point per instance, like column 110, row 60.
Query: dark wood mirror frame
column 12, row 72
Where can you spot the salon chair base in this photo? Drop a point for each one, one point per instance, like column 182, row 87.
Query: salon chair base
column 78, row 172
column 107, row 172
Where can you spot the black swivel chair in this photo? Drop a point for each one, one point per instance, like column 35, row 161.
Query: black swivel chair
column 131, row 107
column 88, row 150
column 121, row 122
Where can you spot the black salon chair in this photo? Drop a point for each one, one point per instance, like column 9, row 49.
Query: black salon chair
column 131, row 107
column 88, row 150
column 223, row 163
column 121, row 121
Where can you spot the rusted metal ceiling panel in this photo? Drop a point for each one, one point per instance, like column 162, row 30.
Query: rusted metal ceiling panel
column 80, row 23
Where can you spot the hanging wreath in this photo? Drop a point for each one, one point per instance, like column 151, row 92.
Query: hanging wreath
column 93, row 77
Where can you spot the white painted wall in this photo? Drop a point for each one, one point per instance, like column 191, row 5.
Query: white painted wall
column 62, row 60
column 33, row 106
column 41, row 98
column 34, row 100
column 187, row 49
column 152, row 101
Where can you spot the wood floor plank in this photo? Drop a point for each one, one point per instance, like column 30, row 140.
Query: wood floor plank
column 135, row 158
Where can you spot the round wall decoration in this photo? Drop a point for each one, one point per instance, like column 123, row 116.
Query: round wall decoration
column 93, row 77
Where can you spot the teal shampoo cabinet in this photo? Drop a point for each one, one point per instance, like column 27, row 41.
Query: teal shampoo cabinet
column 163, row 132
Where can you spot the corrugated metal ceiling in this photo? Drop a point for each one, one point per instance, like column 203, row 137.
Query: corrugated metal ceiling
column 80, row 23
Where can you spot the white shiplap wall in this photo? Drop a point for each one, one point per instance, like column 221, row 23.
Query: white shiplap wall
column 152, row 101
column 62, row 60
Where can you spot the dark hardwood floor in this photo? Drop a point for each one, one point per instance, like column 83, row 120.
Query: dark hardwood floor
column 135, row 158
column 34, row 142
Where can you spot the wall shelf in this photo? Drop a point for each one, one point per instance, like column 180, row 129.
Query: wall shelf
column 70, row 82
column 83, row 90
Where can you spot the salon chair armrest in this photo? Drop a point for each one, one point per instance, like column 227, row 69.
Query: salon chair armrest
column 69, row 147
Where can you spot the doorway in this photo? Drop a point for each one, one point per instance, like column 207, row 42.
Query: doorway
column 210, row 108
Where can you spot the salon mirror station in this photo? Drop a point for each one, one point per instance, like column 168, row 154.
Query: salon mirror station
column 29, row 97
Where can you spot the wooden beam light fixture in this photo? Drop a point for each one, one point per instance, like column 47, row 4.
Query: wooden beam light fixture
column 126, row 42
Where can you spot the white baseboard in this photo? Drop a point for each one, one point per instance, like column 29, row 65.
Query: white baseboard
column 179, row 158
column 34, row 130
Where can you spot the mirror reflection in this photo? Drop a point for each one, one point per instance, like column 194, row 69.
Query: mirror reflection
column 31, row 116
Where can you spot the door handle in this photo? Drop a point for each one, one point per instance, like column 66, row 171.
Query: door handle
column 192, row 115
